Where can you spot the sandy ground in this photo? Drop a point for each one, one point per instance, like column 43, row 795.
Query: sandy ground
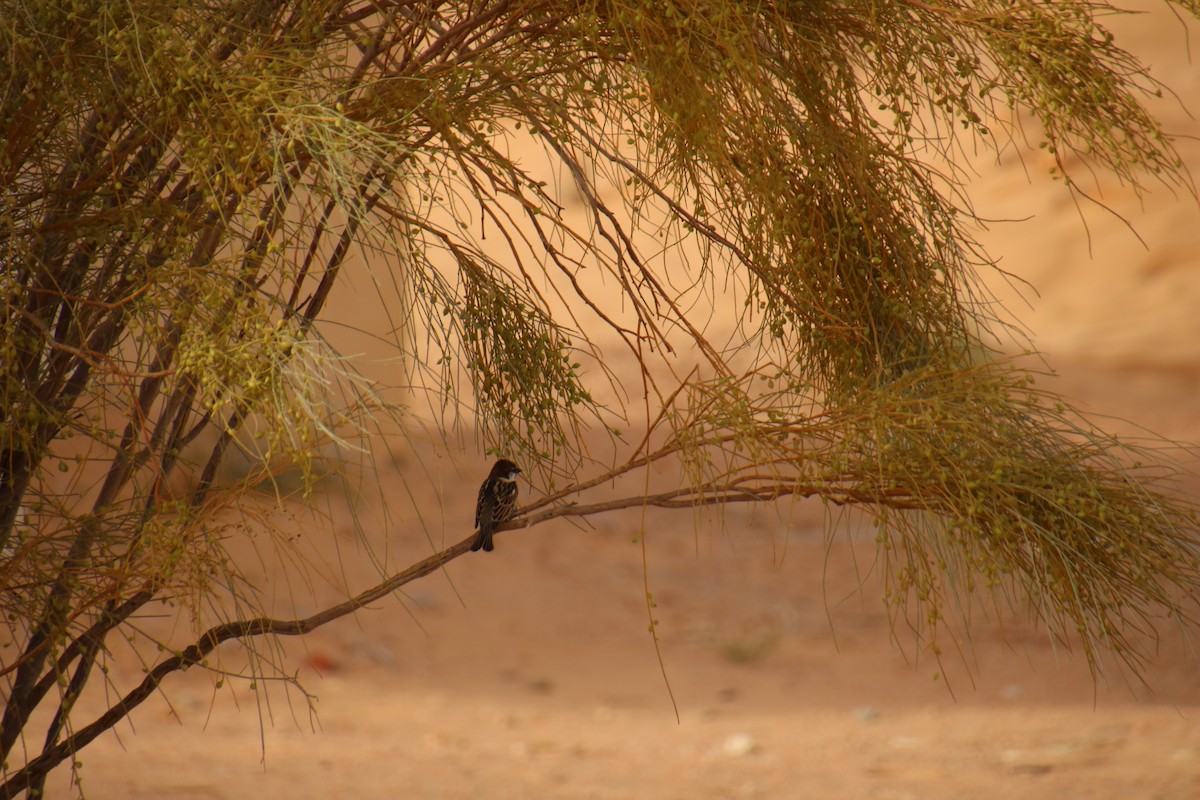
column 529, row 673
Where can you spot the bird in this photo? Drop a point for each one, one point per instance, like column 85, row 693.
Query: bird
column 497, row 502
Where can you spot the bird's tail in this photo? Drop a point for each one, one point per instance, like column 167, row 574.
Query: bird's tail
column 483, row 540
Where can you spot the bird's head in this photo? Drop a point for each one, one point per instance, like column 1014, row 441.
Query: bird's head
column 505, row 470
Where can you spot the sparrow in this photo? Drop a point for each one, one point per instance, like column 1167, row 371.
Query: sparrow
column 497, row 502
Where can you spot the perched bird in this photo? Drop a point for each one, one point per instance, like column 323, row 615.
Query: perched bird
column 497, row 501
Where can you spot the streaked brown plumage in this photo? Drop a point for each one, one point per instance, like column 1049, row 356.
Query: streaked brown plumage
column 497, row 502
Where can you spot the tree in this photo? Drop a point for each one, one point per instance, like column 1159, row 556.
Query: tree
column 185, row 183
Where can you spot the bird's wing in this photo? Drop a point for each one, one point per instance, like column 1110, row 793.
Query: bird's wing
column 479, row 504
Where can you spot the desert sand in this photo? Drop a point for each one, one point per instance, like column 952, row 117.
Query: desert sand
column 530, row 672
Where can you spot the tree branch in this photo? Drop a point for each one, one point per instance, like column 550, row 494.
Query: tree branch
column 685, row 497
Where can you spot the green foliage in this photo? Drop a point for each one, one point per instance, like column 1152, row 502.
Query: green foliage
column 184, row 184
column 1024, row 497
